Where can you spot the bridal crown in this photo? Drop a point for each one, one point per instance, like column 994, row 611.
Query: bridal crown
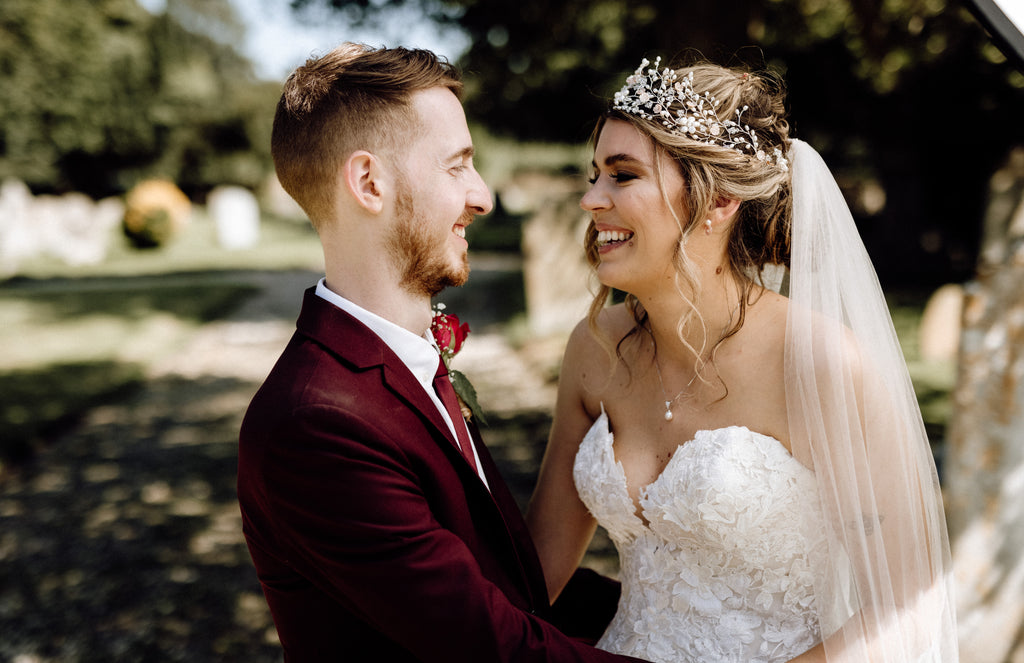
column 669, row 98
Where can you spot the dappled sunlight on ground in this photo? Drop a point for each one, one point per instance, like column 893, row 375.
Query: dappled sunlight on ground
column 121, row 540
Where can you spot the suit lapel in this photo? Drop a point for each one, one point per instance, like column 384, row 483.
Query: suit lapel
column 403, row 384
column 357, row 345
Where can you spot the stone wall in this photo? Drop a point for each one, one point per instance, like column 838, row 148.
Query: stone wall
column 557, row 280
column 72, row 228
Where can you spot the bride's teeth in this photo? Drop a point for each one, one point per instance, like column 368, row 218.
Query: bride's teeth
column 460, row 231
column 606, row 236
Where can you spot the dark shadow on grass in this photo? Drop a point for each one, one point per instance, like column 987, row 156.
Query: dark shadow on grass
column 517, row 443
column 197, row 296
column 37, row 405
column 493, row 295
column 122, row 541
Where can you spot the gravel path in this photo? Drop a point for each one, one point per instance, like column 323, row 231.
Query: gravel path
column 122, row 541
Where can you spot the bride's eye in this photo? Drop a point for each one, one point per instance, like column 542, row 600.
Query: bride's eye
column 619, row 177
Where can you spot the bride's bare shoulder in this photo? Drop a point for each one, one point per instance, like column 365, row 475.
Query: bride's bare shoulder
column 611, row 325
column 771, row 307
column 824, row 342
column 594, row 345
column 764, row 325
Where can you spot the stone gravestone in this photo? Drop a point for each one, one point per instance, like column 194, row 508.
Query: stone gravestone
column 276, row 201
column 76, row 229
column 556, row 276
column 72, row 227
column 236, row 215
column 18, row 241
column 939, row 333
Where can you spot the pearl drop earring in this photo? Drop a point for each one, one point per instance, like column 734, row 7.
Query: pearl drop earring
column 707, row 227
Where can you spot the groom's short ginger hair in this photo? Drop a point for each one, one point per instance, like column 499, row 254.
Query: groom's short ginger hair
column 354, row 98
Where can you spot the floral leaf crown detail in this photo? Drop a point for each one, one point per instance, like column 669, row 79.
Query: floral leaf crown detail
column 669, row 98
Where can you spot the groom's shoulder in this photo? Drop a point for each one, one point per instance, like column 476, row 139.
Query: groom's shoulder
column 305, row 374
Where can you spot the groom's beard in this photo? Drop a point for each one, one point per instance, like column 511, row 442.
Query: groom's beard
column 423, row 259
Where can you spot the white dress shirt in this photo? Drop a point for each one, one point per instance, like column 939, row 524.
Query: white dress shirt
column 418, row 353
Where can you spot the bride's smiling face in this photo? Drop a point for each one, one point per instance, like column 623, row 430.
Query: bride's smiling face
column 637, row 233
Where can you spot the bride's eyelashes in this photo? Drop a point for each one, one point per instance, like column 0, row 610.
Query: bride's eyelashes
column 619, row 177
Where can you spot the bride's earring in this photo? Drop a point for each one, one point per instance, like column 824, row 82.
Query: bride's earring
column 707, row 227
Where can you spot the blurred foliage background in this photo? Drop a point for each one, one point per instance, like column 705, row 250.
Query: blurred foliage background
column 909, row 101
column 100, row 94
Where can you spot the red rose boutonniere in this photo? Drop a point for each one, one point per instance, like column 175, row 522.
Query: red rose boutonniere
column 450, row 334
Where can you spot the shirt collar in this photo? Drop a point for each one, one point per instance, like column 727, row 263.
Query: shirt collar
column 418, row 353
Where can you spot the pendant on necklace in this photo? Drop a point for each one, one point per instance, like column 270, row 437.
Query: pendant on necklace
column 668, row 410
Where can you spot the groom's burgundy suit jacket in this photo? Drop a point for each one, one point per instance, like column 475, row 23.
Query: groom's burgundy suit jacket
column 372, row 536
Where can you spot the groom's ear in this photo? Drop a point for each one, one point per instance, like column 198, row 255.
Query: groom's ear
column 365, row 180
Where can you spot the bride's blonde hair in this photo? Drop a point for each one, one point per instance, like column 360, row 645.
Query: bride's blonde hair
column 760, row 234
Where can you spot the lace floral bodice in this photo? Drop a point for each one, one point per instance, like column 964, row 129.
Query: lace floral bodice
column 725, row 566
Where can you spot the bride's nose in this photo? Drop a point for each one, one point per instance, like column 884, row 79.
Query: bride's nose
column 594, row 199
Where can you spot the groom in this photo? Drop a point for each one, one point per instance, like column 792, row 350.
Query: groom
column 378, row 524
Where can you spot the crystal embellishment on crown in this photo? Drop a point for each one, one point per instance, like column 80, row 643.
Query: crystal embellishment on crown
column 669, row 98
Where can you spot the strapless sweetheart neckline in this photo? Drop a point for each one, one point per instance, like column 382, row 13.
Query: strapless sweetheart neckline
column 702, row 435
column 726, row 565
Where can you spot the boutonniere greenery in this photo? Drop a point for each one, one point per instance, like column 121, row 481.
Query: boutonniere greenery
column 450, row 334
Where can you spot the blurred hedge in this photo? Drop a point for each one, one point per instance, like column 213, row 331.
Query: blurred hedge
column 100, row 95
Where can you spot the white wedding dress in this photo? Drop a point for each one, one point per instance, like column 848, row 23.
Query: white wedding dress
column 725, row 566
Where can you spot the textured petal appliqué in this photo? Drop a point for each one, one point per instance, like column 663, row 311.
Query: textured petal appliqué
column 725, row 570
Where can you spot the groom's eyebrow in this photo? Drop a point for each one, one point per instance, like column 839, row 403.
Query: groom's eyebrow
column 464, row 153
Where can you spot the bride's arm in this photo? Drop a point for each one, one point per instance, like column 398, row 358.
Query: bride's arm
column 815, row 654
column 560, row 524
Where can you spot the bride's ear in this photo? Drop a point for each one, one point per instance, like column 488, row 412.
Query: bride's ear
column 724, row 210
column 363, row 179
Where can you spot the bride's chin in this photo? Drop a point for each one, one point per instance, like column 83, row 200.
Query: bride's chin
column 609, row 280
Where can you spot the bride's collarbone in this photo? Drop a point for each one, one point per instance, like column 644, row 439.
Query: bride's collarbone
column 645, row 441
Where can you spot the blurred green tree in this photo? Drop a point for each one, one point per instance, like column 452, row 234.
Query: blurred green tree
column 908, row 100
column 100, row 94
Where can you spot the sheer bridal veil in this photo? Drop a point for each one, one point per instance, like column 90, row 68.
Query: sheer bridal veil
column 853, row 418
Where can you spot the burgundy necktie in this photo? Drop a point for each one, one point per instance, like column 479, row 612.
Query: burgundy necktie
column 445, row 391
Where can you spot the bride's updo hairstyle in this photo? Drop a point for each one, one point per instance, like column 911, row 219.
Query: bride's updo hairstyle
column 729, row 141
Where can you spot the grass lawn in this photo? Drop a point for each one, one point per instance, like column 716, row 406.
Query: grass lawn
column 283, row 244
column 78, row 337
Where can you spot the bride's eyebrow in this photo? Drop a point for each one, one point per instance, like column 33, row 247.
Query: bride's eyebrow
column 620, row 159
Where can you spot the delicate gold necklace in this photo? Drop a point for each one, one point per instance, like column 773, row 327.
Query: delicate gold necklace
column 669, row 403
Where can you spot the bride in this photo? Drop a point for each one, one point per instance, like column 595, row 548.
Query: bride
column 743, row 424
